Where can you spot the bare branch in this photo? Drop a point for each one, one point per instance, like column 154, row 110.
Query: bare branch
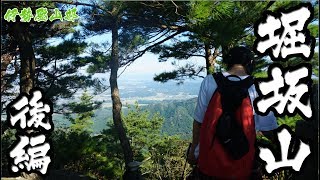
column 177, row 7
column 106, row 88
column 126, row 66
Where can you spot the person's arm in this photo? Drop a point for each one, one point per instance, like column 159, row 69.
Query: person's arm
column 195, row 141
column 195, row 134
column 265, row 125
column 206, row 90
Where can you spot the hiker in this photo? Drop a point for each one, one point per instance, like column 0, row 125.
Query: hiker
column 214, row 160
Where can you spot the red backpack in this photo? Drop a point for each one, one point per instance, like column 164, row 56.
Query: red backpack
column 227, row 134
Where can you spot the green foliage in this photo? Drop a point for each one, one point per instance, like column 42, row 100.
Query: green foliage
column 283, row 5
column 168, row 159
column 139, row 25
column 314, row 30
column 222, row 25
column 7, row 139
column 290, row 121
column 184, row 49
column 190, row 71
column 100, row 156
column 91, row 155
column 178, row 116
column 219, row 25
column 162, row 155
column 262, row 74
column 100, row 63
column 56, row 64
column 68, row 48
column 84, row 113
column 234, row 22
column 202, row 11
column 80, row 151
column 142, row 131
column 166, row 76
column 62, row 79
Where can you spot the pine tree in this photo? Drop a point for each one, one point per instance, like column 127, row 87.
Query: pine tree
column 213, row 29
column 84, row 112
column 131, row 25
column 42, row 64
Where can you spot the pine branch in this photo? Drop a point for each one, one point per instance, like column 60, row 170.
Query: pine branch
column 159, row 36
column 84, row 4
column 140, row 53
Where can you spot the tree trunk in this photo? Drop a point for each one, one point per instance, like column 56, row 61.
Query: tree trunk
column 116, row 102
column 210, row 58
column 27, row 60
column 27, row 57
column 5, row 61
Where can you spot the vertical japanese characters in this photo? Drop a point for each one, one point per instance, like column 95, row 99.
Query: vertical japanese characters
column 31, row 115
column 286, row 91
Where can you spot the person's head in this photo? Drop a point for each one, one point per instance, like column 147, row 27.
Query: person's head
column 240, row 56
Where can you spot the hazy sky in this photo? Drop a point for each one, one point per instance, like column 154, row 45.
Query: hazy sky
column 146, row 66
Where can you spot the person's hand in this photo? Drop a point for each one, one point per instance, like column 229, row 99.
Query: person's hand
column 191, row 158
column 259, row 134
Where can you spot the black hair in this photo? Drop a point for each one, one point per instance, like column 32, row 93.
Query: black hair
column 238, row 55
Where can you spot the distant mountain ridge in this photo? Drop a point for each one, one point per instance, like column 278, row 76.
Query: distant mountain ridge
column 178, row 115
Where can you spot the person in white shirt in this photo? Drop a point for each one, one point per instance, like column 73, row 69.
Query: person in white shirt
column 237, row 64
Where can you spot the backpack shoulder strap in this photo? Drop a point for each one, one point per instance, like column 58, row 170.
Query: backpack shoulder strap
column 221, row 80
column 247, row 82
